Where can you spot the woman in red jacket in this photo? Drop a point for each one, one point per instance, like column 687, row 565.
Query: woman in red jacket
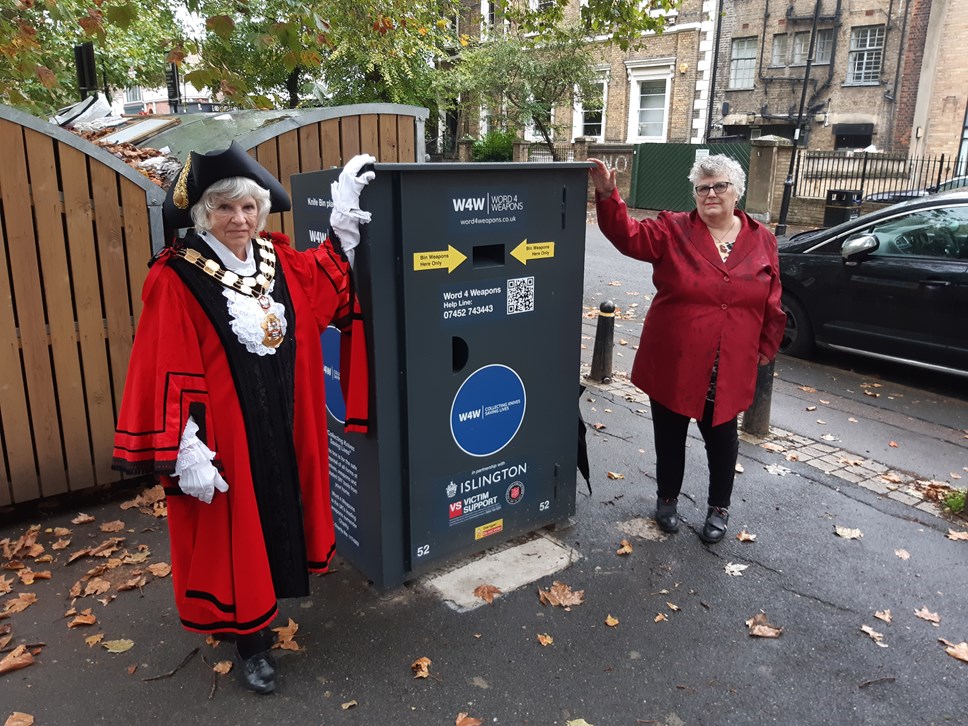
column 716, row 316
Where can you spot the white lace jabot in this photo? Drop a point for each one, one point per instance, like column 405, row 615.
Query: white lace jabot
column 245, row 312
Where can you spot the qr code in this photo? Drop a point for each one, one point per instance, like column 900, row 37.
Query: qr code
column 520, row 295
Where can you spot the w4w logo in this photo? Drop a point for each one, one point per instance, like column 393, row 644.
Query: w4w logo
column 469, row 204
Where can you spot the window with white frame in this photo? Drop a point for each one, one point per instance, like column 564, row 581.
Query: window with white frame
column 781, row 49
column 742, row 63
column 531, row 132
column 824, row 46
column 132, row 94
column 866, row 55
column 801, row 48
column 649, row 84
column 589, row 115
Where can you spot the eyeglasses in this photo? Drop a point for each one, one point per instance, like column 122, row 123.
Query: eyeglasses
column 719, row 187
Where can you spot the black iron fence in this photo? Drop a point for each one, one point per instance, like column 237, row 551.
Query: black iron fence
column 878, row 176
column 539, row 151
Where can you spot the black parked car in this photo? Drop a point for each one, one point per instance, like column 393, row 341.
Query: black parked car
column 892, row 284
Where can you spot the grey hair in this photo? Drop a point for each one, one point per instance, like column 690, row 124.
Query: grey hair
column 719, row 165
column 231, row 189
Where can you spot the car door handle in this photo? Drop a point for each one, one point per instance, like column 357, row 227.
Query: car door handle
column 935, row 283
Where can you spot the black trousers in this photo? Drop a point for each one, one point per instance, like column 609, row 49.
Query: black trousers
column 722, row 448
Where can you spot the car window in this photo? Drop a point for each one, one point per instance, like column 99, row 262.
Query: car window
column 940, row 232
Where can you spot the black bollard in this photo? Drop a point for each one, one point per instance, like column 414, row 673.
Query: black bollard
column 756, row 420
column 604, row 342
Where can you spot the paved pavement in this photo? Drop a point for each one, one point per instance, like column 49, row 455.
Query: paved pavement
column 680, row 653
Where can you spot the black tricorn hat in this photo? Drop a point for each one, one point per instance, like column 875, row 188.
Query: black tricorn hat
column 203, row 170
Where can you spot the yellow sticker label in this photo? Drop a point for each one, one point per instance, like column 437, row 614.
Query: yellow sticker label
column 486, row 530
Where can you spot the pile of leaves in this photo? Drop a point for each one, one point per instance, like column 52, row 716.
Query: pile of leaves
column 158, row 167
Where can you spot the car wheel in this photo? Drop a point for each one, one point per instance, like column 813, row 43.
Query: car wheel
column 798, row 333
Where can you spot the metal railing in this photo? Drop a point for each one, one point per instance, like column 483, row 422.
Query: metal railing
column 877, row 175
column 539, row 151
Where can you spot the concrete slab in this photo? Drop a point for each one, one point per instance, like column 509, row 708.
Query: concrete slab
column 509, row 568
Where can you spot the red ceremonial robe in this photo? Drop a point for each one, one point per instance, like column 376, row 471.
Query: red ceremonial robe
column 702, row 305
column 183, row 363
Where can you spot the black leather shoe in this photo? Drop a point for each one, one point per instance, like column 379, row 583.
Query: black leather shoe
column 667, row 514
column 256, row 673
column 715, row 527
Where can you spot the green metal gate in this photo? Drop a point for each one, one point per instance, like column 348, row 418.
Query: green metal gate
column 660, row 171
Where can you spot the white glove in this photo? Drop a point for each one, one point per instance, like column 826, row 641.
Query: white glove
column 197, row 476
column 347, row 216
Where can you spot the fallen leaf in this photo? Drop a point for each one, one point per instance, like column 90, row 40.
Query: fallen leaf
column 561, row 595
column 82, row 519
column 884, row 615
column 673, row 607
column 959, row 651
column 18, row 604
column 615, row 475
column 759, row 627
column 828, row 437
column 847, row 533
column 464, row 720
column 625, row 549
column 792, row 456
column 825, row 403
column 16, row 659
column 348, row 705
column 96, row 586
column 926, row 614
column 27, row 576
column 872, row 394
column 903, row 554
column 770, row 446
column 811, row 408
column 487, row 592
column 807, row 389
column 821, row 422
column 116, row 526
column 160, row 569
column 6, row 584
column 892, row 444
column 956, row 535
column 62, row 531
column 852, row 420
column 85, row 618
column 660, row 618
column 222, row 667
column 132, row 668
column 421, row 667
column 93, row 640
column 578, row 722
column 137, row 581
column 598, row 426
column 118, row 646
column 874, row 635
column 734, row 570
column 777, row 470
column 611, row 621
column 739, row 468
column 136, row 559
column 285, row 635
column 19, row 719
column 545, row 639
column 6, row 635
column 744, row 536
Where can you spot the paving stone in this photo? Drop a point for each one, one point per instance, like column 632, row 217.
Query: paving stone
column 929, row 507
column 834, row 459
column 875, row 485
column 824, row 448
column 902, row 497
column 846, row 475
column 823, row 465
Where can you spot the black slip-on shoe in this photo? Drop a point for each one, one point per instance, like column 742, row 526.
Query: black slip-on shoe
column 714, row 529
column 667, row 514
column 256, row 673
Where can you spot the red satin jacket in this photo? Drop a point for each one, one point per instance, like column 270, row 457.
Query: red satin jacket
column 702, row 305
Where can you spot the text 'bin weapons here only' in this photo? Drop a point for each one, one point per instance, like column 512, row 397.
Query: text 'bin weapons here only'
column 533, row 251
column 449, row 258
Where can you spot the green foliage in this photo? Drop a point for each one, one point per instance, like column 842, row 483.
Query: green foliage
column 954, row 501
column 496, row 145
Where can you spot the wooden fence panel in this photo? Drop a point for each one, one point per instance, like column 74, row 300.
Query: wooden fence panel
column 114, row 276
column 330, row 151
column 137, row 244
column 24, row 271
column 19, row 448
column 310, row 157
column 48, row 212
column 87, row 301
column 389, row 147
column 288, row 144
column 346, row 138
column 406, row 138
column 370, row 137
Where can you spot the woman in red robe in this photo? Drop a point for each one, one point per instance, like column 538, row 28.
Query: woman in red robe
column 715, row 316
column 224, row 397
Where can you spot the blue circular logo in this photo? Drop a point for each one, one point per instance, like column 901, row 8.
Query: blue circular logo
column 487, row 410
column 335, row 404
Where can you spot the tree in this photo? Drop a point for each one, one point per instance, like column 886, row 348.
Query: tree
column 542, row 57
column 37, row 38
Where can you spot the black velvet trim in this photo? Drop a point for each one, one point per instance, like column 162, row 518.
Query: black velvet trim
column 209, row 597
column 258, row 622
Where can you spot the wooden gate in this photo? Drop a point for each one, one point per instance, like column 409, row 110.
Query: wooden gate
column 75, row 230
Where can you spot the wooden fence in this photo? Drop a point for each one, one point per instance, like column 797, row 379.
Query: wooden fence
column 77, row 227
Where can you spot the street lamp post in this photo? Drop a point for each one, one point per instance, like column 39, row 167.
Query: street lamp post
column 781, row 225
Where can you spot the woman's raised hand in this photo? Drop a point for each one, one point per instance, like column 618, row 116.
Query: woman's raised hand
column 602, row 177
